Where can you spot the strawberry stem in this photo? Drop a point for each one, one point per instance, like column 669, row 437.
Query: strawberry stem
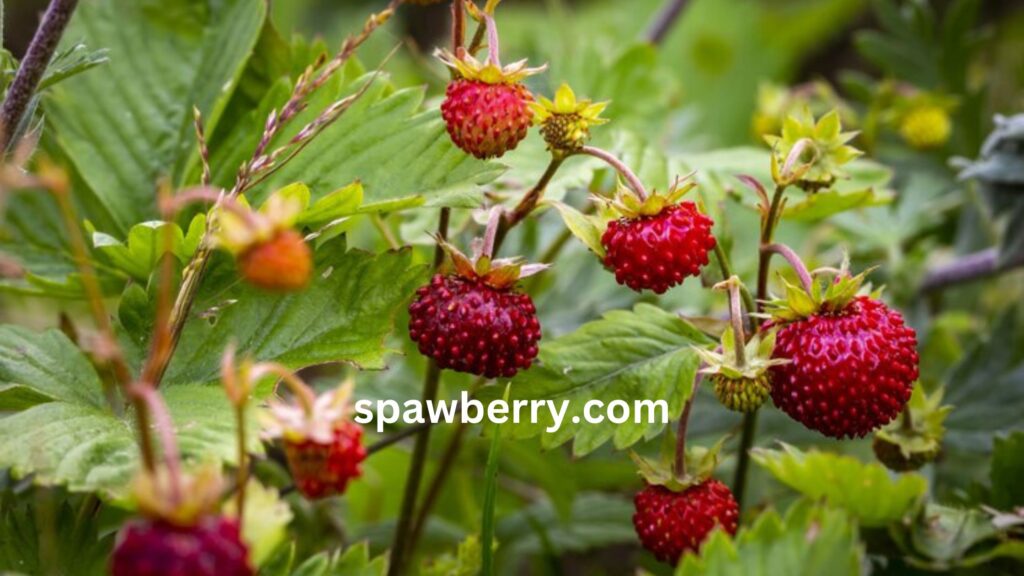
column 629, row 175
column 303, row 393
column 679, row 469
column 732, row 285
column 492, row 41
column 490, row 233
column 165, row 428
column 794, row 261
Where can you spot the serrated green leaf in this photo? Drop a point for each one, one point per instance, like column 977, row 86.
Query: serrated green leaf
column 125, row 124
column 354, row 561
column 626, row 355
column 44, row 366
column 809, row 541
column 77, row 544
column 140, row 253
column 343, row 316
column 89, row 449
column 866, row 491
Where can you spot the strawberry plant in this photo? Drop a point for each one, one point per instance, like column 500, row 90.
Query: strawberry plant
column 653, row 287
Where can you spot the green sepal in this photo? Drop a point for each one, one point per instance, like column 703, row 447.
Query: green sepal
column 922, row 434
column 626, row 204
column 757, row 351
column 832, row 297
column 700, row 465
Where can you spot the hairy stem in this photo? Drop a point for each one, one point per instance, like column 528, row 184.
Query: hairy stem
column 726, row 269
column 620, row 166
column 33, row 67
column 736, row 317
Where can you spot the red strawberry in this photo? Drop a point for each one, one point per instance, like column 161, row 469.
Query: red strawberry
column 211, row 547
column 324, row 469
column 467, row 325
column 487, row 120
column 281, row 264
column 851, row 369
column 659, row 251
column 671, row 523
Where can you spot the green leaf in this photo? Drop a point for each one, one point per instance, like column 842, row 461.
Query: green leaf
column 490, row 493
column 77, row 543
column 355, row 561
column 140, row 253
column 809, row 541
column 584, row 227
column 630, row 356
column 124, row 125
column 1007, row 470
column 944, row 534
column 37, row 367
column 265, row 521
column 89, row 449
column 866, row 491
column 343, row 316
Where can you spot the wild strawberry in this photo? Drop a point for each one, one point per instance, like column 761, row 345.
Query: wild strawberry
column 211, row 547
column 467, row 325
column 270, row 254
column 486, row 107
column 324, row 469
column 853, row 361
column 322, row 445
column 181, row 532
column 283, row 263
column 915, row 439
column 472, row 319
column 671, row 523
column 657, row 242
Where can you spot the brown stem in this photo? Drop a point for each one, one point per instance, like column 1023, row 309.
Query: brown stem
column 530, row 200
column 165, row 428
column 680, row 461
column 33, row 67
column 242, row 475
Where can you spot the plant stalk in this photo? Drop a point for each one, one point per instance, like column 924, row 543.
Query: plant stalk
column 631, row 178
column 768, row 224
column 33, row 67
column 664, row 21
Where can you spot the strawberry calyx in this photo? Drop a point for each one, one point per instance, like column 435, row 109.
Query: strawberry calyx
column 182, row 501
column 470, row 68
column 299, row 420
column 565, row 121
column 498, row 273
column 628, row 203
column 917, row 435
column 756, row 362
column 832, row 298
column 811, row 154
column 699, row 465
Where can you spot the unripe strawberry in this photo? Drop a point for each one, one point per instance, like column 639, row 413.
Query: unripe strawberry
column 467, row 325
column 892, row 455
column 671, row 523
column 851, row 369
column 211, row 547
column 486, row 120
column 324, row 469
column 914, row 439
column 741, row 394
column 322, row 444
column 486, row 107
column 656, row 252
column 283, row 263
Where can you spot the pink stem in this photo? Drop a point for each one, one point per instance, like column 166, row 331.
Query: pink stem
column 492, row 41
column 300, row 389
column 491, row 232
column 794, row 261
column 629, row 175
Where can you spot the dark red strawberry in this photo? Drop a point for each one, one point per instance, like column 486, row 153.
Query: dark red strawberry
column 324, row 469
column 468, row 325
column 851, row 370
column 211, row 547
column 656, row 252
column 671, row 523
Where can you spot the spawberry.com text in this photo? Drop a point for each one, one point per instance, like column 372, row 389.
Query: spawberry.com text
column 472, row 411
